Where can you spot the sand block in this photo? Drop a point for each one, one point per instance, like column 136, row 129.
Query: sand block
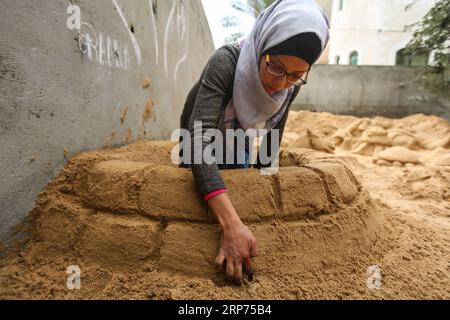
column 301, row 192
column 189, row 249
column 60, row 227
column 170, row 193
column 119, row 241
column 340, row 184
column 113, row 185
column 293, row 246
column 249, row 186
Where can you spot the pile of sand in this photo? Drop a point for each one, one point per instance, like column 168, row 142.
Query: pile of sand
column 135, row 226
column 412, row 140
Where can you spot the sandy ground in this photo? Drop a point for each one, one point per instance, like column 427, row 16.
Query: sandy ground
column 351, row 195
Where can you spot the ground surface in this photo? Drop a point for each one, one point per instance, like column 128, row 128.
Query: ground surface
column 351, row 194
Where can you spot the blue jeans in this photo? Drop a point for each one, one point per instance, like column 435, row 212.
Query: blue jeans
column 237, row 166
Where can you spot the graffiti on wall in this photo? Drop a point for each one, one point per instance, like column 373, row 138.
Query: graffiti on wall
column 137, row 49
column 108, row 51
column 103, row 49
column 177, row 20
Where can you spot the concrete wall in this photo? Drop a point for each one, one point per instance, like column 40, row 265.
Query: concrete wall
column 72, row 80
column 369, row 91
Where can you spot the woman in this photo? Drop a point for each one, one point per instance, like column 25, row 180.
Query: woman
column 242, row 86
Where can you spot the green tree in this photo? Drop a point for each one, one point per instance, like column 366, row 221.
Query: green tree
column 250, row 7
column 431, row 35
column 253, row 7
column 232, row 22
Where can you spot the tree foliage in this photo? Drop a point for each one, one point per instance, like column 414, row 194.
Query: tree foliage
column 250, row 7
column 431, row 35
column 253, row 7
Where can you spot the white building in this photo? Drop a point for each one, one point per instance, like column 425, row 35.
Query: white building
column 371, row 32
column 327, row 7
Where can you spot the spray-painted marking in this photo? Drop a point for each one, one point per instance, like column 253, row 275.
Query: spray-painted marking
column 102, row 49
column 137, row 49
column 155, row 32
column 109, row 52
column 178, row 18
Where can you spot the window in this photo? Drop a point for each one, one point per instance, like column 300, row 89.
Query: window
column 354, row 58
column 410, row 60
column 337, row 59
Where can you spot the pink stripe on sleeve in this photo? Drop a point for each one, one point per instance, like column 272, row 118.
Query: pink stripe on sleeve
column 214, row 193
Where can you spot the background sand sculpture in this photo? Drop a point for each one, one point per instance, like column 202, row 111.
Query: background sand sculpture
column 134, row 224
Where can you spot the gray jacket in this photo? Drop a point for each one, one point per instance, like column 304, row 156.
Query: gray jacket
column 206, row 101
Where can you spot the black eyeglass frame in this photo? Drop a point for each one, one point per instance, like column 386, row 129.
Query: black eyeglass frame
column 300, row 82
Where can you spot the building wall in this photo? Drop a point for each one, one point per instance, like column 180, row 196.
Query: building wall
column 72, row 80
column 375, row 29
column 369, row 91
column 327, row 6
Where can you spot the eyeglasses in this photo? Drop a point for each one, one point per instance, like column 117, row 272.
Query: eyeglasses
column 293, row 78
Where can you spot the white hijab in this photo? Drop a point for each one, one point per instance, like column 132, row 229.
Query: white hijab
column 279, row 22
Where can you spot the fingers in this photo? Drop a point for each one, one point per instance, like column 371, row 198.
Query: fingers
column 238, row 273
column 230, row 270
column 233, row 271
column 254, row 248
column 220, row 260
column 248, row 268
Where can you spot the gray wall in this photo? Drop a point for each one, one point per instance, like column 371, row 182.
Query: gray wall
column 63, row 88
column 369, row 91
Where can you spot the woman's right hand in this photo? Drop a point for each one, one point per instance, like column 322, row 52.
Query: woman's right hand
column 238, row 245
